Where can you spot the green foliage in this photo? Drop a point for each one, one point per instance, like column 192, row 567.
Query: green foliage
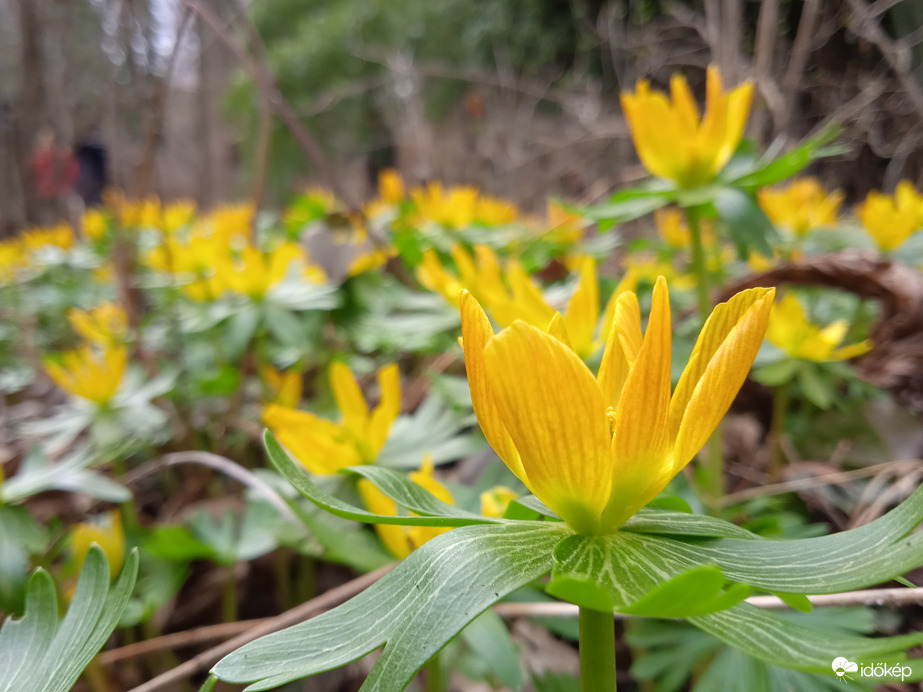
column 39, row 653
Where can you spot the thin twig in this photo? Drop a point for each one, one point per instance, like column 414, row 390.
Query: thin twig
column 225, row 466
column 870, row 597
column 818, row 481
column 207, row 659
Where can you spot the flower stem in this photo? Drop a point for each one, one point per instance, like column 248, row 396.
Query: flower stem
column 712, row 484
column 597, row 651
column 781, row 398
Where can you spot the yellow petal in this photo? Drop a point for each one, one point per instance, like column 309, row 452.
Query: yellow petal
column 558, row 329
column 583, row 309
column 622, row 347
column 319, row 444
column 387, row 410
column 349, row 397
column 641, row 436
column 476, row 332
column 718, row 367
column 394, row 537
column 554, row 411
column 426, row 480
column 852, row 351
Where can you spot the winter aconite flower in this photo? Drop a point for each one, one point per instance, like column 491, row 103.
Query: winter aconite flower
column 790, row 330
column 283, row 388
column 90, row 375
column 403, row 540
column 673, row 142
column 801, row 207
column 597, row 448
column 106, row 324
column 108, row 534
column 890, row 220
column 324, row 446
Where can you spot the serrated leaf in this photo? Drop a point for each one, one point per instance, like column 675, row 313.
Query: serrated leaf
column 414, row 610
column 39, row 653
column 300, row 479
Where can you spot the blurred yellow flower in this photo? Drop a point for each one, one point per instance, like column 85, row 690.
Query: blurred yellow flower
column 144, row 213
column 370, row 258
column 95, row 223
column 324, row 446
column 461, row 207
column 61, row 236
column 13, row 257
column 801, row 207
column 673, row 229
column 790, row 330
column 177, row 215
column 88, row 374
column 891, row 220
column 284, row 388
column 231, row 223
column 390, row 186
column 595, row 449
column 254, row 273
column 671, row 139
column 495, row 501
column 403, row 540
column 645, row 268
column 107, row 534
column 105, row 325
column 564, row 226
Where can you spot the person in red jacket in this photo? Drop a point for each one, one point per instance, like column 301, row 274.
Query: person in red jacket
column 54, row 172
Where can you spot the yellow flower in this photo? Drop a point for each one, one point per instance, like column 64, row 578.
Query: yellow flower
column 254, row 273
column 230, row 223
column 802, row 206
column 491, row 211
column 390, row 186
column 640, row 268
column 61, row 236
column 13, row 257
column 105, row 325
column 95, row 223
column 673, row 142
column 109, row 536
column 672, row 227
column 370, row 258
column 495, row 501
column 326, row 447
column 177, row 215
column 285, row 387
column 891, row 220
column 140, row 213
column 403, row 540
column 91, row 376
column 454, row 209
column 523, row 300
column 595, row 449
column 790, row 330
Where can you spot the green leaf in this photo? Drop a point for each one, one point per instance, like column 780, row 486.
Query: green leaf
column 39, row 653
column 241, row 328
column 20, row 536
column 747, row 225
column 413, row 610
column 489, row 639
column 628, row 205
column 793, row 162
column 768, row 637
column 298, row 476
column 776, row 374
column 818, row 391
column 673, row 523
column 699, row 591
column 797, row 601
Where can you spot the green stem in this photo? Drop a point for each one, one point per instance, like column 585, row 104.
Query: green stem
column 597, row 651
column 433, row 670
column 699, row 265
column 229, row 597
column 712, row 478
column 781, row 399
